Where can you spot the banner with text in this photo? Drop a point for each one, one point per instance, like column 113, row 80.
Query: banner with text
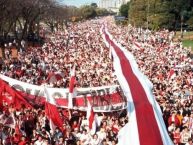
column 103, row 99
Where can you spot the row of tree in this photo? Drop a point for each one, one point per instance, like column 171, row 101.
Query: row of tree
column 91, row 11
column 20, row 18
column 156, row 14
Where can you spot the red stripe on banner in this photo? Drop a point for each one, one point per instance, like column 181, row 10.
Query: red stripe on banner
column 148, row 130
column 72, row 82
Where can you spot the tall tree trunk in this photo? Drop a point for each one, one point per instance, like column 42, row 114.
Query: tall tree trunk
column 8, row 30
column 15, row 30
column 24, row 32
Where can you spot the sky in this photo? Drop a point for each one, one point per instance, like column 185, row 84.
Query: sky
column 77, row 3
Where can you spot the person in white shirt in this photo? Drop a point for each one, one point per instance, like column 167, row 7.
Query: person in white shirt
column 190, row 142
column 76, row 133
column 101, row 134
column 185, row 136
column 85, row 138
column 40, row 141
column 172, row 127
column 95, row 140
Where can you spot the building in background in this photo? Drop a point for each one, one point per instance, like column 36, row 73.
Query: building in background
column 112, row 5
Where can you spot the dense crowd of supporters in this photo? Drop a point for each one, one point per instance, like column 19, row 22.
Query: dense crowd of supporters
column 32, row 128
column 166, row 63
column 81, row 45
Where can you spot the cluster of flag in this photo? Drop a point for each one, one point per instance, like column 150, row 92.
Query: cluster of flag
column 51, row 106
column 14, row 98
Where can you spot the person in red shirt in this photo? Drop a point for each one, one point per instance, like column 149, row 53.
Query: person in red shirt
column 174, row 118
column 176, row 136
column 75, row 125
column 115, row 127
column 23, row 141
column 16, row 138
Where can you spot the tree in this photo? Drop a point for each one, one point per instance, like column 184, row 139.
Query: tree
column 94, row 5
column 190, row 23
column 138, row 13
column 56, row 16
column 24, row 17
column 124, row 9
column 31, row 13
column 87, row 12
column 101, row 12
column 156, row 14
column 159, row 15
column 9, row 15
column 22, row 14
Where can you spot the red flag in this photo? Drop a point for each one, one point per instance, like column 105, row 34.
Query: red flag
column 71, row 87
column 17, row 98
column 52, row 112
column 171, row 74
column 17, row 130
column 91, row 119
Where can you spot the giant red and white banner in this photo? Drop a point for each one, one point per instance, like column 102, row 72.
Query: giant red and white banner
column 103, row 99
column 146, row 125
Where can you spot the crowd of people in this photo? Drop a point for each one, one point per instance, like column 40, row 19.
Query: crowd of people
column 165, row 62
column 80, row 46
column 32, row 128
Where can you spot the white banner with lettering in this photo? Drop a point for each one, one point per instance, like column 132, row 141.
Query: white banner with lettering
column 104, row 98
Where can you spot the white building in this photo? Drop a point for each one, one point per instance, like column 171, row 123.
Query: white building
column 113, row 5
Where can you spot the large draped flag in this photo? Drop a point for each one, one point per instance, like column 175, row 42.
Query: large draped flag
column 52, row 112
column 17, row 100
column 71, row 87
column 146, row 125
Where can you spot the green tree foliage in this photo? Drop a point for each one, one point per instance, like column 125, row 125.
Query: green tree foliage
column 88, row 11
column 156, row 14
column 159, row 15
column 101, row 12
column 22, row 18
column 138, row 12
column 91, row 11
column 94, row 5
column 124, row 9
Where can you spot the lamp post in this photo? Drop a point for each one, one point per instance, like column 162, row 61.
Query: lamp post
column 182, row 20
column 148, row 14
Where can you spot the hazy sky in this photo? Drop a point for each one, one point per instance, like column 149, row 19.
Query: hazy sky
column 77, row 2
